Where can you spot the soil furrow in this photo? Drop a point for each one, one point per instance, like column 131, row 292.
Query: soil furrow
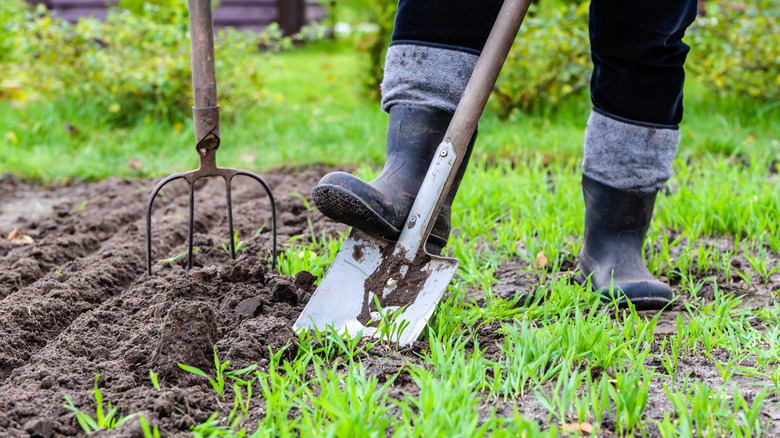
column 78, row 224
column 156, row 324
column 32, row 316
column 101, row 254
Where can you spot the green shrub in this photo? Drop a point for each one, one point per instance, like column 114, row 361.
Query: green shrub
column 12, row 13
column 162, row 11
column 736, row 51
column 549, row 61
column 131, row 65
column 373, row 45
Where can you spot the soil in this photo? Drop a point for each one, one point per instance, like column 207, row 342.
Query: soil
column 76, row 301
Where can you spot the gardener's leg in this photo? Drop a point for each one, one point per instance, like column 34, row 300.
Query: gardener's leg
column 435, row 46
column 631, row 138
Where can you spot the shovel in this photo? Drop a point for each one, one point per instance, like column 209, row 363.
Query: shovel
column 377, row 287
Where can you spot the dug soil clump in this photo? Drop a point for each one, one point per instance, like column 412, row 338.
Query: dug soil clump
column 188, row 332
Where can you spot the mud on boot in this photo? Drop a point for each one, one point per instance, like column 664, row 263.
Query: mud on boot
column 381, row 206
column 616, row 223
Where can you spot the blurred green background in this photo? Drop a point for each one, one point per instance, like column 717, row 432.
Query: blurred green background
column 85, row 100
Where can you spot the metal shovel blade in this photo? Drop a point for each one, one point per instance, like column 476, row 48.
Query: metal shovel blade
column 367, row 270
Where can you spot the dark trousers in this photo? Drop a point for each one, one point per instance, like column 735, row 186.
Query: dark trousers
column 636, row 47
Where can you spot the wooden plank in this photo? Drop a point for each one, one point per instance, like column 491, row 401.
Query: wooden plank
column 73, row 14
column 271, row 3
column 315, row 12
column 258, row 28
column 244, row 14
column 69, row 4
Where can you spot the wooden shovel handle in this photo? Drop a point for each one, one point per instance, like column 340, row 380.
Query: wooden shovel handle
column 481, row 83
column 478, row 89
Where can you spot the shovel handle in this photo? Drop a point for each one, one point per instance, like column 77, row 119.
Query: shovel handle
column 480, row 85
column 489, row 65
column 204, row 76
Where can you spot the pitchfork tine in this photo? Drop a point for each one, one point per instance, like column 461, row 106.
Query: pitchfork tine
column 228, row 182
column 190, row 226
column 149, row 203
column 262, row 182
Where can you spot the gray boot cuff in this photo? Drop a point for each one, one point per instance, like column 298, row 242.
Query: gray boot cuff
column 628, row 156
column 427, row 76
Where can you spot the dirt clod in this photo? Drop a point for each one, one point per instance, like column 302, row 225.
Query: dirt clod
column 188, row 335
column 39, row 428
column 284, row 292
column 250, row 307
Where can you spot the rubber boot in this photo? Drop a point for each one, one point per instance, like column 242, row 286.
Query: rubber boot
column 381, row 206
column 616, row 223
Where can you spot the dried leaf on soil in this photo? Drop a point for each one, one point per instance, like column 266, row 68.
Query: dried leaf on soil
column 584, row 428
column 19, row 238
column 134, row 164
column 541, row 260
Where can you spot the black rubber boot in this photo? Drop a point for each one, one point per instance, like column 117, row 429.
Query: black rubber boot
column 616, row 223
column 382, row 205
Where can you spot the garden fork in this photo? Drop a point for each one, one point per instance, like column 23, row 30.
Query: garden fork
column 206, row 114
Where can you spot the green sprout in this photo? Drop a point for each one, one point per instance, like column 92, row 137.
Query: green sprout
column 153, row 377
column 218, row 382
column 103, row 420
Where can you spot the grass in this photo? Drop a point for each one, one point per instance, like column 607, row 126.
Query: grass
column 219, row 381
column 316, row 123
column 529, row 363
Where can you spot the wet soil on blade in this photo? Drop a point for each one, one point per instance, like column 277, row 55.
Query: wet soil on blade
column 76, row 302
column 406, row 287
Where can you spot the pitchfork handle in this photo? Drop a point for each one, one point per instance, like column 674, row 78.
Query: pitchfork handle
column 204, row 76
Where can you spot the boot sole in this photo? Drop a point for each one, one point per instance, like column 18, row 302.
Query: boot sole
column 342, row 206
column 640, row 303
